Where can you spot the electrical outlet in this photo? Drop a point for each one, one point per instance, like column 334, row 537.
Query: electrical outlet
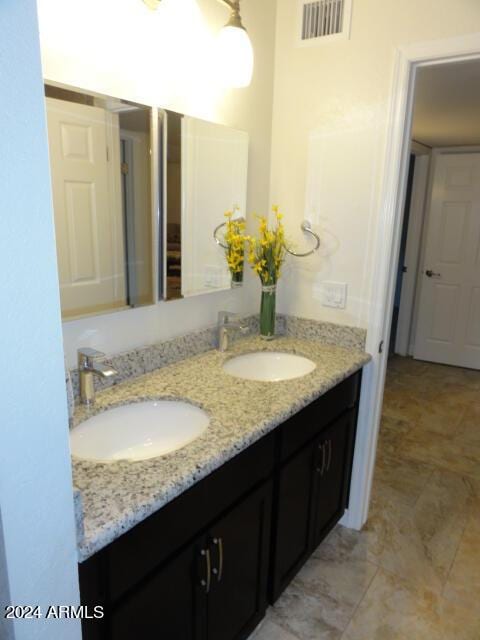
column 334, row 294
column 214, row 276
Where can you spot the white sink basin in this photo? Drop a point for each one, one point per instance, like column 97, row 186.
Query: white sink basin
column 269, row 366
column 138, row 431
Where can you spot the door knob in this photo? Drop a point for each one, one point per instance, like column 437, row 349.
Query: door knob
column 432, row 274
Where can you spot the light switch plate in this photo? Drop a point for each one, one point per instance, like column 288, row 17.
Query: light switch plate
column 334, row 294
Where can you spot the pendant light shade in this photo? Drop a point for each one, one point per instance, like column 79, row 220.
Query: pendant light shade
column 235, row 57
column 234, row 50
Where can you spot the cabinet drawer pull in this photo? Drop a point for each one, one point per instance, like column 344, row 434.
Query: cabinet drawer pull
column 205, row 582
column 324, row 465
column 319, row 466
column 218, row 542
column 329, row 455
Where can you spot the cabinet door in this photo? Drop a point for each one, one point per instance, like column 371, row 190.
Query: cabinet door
column 239, row 545
column 170, row 604
column 291, row 544
column 332, row 471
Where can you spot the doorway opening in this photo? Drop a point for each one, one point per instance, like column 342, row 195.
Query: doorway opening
column 426, row 486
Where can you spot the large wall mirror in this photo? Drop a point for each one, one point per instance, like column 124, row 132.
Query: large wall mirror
column 101, row 168
column 204, row 169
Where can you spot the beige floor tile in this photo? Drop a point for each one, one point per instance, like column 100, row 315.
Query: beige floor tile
column 470, row 425
column 393, row 609
column 453, row 454
column 454, row 395
column 398, row 365
column 440, row 418
column 403, row 478
column 391, row 435
column 418, row 544
column 268, row 630
column 401, row 403
column 463, row 584
column 337, row 580
column 453, row 375
column 307, row 616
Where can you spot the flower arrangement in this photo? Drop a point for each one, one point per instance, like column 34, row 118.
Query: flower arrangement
column 267, row 252
column 235, row 240
column 266, row 255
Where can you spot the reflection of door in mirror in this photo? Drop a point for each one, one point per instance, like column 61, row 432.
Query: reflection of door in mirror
column 204, row 169
column 101, row 168
column 214, row 180
column 84, row 156
column 135, row 150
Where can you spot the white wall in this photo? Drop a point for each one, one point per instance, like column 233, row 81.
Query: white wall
column 36, row 498
column 6, row 625
column 163, row 58
column 328, row 147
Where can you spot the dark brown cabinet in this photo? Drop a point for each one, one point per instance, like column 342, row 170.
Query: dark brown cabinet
column 292, row 518
column 311, row 488
column 205, row 565
column 169, row 604
column 212, row 590
column 330, row 476
column 240, row 544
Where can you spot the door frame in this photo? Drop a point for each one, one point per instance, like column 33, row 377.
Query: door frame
column 412, row 253
column 386, row 247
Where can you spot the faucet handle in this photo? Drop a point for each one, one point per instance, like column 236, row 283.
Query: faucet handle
column 224, row 317
column 86, row 355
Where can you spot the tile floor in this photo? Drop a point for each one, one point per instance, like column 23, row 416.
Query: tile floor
column 413, row 573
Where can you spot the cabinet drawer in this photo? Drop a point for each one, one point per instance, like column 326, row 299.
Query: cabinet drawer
column 134, row 555
column 305, row 425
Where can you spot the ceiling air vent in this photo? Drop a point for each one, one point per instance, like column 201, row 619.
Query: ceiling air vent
column 324, row 20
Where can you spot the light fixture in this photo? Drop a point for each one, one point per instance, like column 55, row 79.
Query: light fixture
column 152, row 4
column 234, row 54
column 235, row 51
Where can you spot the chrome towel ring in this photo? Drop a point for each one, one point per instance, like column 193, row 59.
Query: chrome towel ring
column 305, row 226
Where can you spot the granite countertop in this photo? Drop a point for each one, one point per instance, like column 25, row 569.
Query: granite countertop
column 117, row 496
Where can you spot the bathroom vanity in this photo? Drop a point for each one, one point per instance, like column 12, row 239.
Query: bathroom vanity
column 206, row 564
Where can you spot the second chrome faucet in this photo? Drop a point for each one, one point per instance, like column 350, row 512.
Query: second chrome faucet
column 228, row 322
column 87, row 369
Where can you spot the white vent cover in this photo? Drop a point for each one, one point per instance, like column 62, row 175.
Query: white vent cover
column 321, row 20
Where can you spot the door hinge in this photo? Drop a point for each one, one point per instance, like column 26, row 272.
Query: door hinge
column 124, row 168
column 404, row 268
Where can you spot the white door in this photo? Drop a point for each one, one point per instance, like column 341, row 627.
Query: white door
column 85, row 168
column 448, row 326
column 214, row 179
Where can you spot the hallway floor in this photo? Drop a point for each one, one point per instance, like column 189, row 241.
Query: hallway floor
column 413, row 573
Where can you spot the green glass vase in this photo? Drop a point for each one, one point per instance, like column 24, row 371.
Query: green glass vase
column 237, row 279
column 267, row 311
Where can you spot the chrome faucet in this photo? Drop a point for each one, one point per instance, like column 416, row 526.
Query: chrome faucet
column 87, row 368
column 226, row 323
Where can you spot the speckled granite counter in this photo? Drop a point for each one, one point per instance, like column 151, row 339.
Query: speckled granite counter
column 116, row 496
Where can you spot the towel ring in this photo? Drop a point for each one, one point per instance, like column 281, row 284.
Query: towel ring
column 305, row 226
column 217, row 229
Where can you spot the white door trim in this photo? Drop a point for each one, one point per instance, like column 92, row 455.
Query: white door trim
column 387, row 244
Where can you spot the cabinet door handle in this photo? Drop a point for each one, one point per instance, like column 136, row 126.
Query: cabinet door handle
column 218, row 542
column 320, row 468
column 329, row 455
column 205, row 582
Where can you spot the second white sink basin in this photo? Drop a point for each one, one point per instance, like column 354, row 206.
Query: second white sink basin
column 269, row 366
column 138, row 431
